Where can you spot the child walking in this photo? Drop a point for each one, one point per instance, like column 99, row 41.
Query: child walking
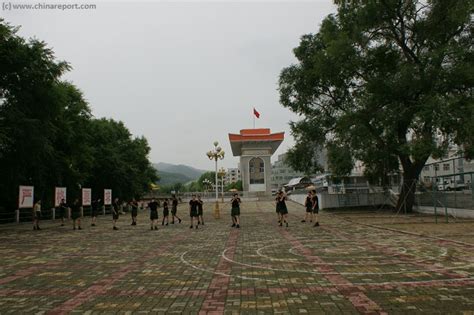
column 235, row 212
column 115, row 213
column 134, row 205
column 174, row 209
column 76, row 214
column 36, row 215
column 200, row 210
column 166, row 212
column 62, row 208
column 277, row 206
column 309, row 207
column 193, row 211
column 315, row 207
column 96, row 205
column 153, row 205
column 283, row 208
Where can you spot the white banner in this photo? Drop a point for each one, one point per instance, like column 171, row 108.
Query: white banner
column 26, row 196
column 86, row 196
column 107, row 197
column 59, row 194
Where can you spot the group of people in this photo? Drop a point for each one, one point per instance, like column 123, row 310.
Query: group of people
column 154, row 205
column 196, row 211
column 311, row 205
column 62, row 210
column 281, row 209
column 312, row 208
column 196, row 205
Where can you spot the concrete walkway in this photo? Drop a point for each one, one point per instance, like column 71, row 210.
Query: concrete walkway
column 355, row 262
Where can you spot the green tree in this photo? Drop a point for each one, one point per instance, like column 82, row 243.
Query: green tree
column 237, row 185
column 178, row 187
column 193, row 187
column 121, row 162
column 210, row 176
column 385, row 81
column 29, row 107
column 48, row 136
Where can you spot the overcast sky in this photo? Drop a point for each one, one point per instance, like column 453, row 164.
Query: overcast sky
column 183, row 74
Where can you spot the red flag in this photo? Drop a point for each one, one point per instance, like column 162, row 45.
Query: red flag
column 257, row 114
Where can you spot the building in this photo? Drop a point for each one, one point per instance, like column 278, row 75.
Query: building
column 298, row 183
column 282, row 173
column 255, row 148
column 448, row 173
column 232, row 176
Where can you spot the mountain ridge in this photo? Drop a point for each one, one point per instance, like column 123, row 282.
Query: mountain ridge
column 177, row 173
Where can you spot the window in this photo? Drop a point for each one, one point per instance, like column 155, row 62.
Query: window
column 426, row 168
column 436, row 167
column 446, row 167
column 257, row 171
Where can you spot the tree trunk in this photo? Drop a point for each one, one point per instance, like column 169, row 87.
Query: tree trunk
column 411, row 171
column 406, row 199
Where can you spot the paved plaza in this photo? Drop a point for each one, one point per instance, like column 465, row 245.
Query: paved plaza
column 355, row 262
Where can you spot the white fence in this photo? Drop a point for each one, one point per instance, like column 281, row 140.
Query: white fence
column 331, row 201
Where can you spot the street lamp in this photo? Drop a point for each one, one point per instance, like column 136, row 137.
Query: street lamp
column 216, row 154
column 207, row 183
column 221, row 174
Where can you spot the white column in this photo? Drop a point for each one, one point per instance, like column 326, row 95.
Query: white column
column 217, row 184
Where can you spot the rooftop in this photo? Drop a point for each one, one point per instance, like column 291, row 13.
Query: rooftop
column 255, row 136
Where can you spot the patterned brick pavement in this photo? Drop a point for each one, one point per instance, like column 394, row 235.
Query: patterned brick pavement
column 353, row 263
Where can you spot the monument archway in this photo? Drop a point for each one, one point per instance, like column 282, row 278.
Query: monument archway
column 257, row 171
column 255, row 148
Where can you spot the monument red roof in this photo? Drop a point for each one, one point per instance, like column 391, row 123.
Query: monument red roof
column 262, row 135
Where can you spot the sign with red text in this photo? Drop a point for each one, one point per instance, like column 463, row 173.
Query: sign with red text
column 107, row 197
column 59, row 195
column 25, row 199
column 86, row 196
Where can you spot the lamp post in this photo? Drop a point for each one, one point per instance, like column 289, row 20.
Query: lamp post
column 221, row 175
column 216, row 154
column 207, row 184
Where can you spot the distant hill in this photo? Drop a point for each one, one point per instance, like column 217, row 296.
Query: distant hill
column 167, row 178
column 172, row 173
column 188, row 171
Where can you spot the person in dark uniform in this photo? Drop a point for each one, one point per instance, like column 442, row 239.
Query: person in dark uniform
column 166, row 212
column 315, row 208
column 174, row 209
column 153, row 205
column 115, row 212
column 76, row 214
column 200, row 210
column 235, row 212
column 193, row 211
column 308, row 203
column 96, row 206
column 283, row 208
column 134, row 206
column 62, row 209
column 277, row 206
